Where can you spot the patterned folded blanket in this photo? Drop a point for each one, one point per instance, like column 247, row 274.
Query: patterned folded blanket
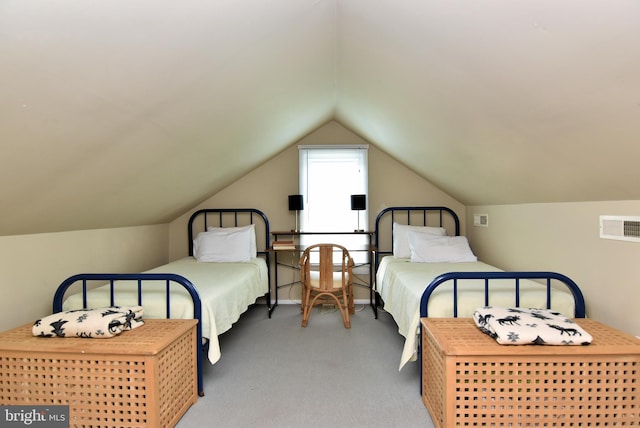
column 520, row 326
column 98, row 323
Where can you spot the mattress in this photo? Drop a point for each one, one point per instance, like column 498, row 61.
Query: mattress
column 226, row 291
column 401, row 283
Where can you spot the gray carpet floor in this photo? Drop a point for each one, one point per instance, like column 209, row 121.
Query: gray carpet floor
column 274, row 373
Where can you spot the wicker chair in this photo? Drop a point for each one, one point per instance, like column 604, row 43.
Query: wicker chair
column 330, row 283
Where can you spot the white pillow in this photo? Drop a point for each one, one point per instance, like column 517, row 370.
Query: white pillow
column 445, row 249
column 223, row 246
column 401, row 242
column 250, row 227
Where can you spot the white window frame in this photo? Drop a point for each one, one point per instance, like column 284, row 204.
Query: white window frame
column 335, row 199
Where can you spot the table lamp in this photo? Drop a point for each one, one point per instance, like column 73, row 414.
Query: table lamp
column 358, row 203
column 296, row 204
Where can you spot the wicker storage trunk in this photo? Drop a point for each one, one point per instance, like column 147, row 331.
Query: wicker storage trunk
column 145, row 377
column 468, row 379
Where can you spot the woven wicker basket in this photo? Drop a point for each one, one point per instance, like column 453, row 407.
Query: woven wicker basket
column 469, row 380
column 145, row 377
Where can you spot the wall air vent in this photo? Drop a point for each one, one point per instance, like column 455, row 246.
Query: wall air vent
column 624, row 228
column 481, row 220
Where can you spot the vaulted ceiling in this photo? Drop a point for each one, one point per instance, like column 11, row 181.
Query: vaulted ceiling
column 128, row 112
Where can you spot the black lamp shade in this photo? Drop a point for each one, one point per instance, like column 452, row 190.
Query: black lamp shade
column 358, row 202
column 296, row 203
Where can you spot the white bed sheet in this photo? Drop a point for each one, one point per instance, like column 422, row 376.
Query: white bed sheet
column 226, row 291
column 401, row 283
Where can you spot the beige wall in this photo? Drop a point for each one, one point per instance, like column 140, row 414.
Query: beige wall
column 32, row 266
column 267, row 187
column 564, row 237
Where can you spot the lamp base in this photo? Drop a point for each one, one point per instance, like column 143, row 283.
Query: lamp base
column 296, row 230
column 358, row 230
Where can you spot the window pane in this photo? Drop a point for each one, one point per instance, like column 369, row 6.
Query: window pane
column 329, row 195
column 328, row 177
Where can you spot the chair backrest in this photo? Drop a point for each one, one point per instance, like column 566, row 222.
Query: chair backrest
column 332, row 273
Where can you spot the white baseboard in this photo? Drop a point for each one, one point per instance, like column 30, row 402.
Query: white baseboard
column 297, row 302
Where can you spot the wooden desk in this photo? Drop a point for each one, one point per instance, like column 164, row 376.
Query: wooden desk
column 142, row 377
column 469, row 380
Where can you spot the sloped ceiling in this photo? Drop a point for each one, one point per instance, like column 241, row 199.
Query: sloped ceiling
column 128, row 112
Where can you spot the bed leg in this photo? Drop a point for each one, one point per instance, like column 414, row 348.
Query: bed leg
column 271, row 306
column 376, row 305
column 202, row 352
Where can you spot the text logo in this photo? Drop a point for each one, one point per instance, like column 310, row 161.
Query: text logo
column 34, row 416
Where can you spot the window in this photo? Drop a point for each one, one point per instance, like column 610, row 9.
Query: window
column 329, row 175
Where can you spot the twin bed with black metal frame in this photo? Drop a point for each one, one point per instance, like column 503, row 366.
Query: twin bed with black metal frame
column 210, row 285
column 424, row 268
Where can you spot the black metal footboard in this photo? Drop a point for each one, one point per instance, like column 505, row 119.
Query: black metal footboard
column 547, row 277
column 142, row 279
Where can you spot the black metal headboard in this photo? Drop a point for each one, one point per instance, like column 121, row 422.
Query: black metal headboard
column 231, row 217
column 234, row 217
column 419, row 216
